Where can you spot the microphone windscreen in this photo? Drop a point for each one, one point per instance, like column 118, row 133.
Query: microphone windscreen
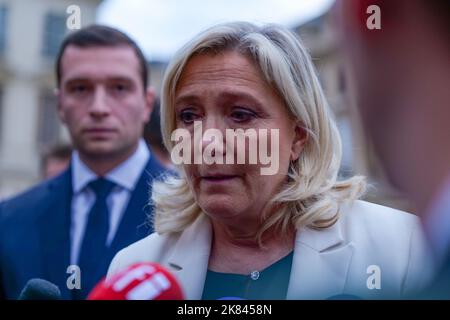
column 141, row 281
column 39, row 289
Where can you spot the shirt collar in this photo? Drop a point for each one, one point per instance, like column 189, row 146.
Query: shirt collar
column 125, row 175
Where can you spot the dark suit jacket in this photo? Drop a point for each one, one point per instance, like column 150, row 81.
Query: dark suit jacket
column 35, row 226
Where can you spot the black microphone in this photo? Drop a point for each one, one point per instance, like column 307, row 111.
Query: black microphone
column 39, row 289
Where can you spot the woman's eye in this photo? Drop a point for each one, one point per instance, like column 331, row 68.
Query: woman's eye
column 242, row 115
column 188, row 116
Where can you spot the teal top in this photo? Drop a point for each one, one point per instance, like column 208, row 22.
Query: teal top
column 268, row 284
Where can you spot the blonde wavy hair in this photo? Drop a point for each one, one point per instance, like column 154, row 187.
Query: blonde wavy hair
column 312, row 194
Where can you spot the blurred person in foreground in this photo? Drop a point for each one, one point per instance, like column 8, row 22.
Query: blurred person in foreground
column 402, row 77
column 100, row 203
column 227, row 230
column 56, row 160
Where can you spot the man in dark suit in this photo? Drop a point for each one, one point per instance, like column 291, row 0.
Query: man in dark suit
column 402, row 72
column 67, row 229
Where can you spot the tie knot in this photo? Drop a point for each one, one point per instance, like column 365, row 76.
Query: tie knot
column 101, row 187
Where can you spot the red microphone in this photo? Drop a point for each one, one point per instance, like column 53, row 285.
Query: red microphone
column 141, row 281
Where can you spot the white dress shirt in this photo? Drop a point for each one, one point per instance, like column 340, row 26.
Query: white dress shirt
column 437, row 222
column 125, row 176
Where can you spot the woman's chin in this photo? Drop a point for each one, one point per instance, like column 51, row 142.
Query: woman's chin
column 221, row 207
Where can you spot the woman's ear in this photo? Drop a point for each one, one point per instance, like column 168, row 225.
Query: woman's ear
column 300, row 138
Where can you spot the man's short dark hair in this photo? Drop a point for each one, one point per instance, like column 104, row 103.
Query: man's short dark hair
column 100, row 36
column 152, row 129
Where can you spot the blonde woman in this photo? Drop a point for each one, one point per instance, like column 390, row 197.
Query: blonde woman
column 228, row 230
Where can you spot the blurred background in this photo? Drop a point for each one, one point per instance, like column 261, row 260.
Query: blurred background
column 34, row 144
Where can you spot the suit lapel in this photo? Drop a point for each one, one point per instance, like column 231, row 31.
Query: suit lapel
column 135, row 220
column 54, row 226
column 134, row 224
column 320, row 264
column 190, row 265
column 319, row 267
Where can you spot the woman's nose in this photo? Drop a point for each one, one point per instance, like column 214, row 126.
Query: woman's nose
column 213, row 135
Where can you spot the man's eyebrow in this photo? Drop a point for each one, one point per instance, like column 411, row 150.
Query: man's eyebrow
column 88, row 79
column 125, row 79
column 78, row 79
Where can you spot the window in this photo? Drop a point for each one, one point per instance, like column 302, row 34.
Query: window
column 54, row 31
column 3, row 16
column 48, row 121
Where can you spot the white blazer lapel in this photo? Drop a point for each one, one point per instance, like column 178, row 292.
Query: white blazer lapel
column 190, row 257
column 319, row 266
column 320, row 263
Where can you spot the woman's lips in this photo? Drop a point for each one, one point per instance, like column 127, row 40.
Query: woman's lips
column 217, row 179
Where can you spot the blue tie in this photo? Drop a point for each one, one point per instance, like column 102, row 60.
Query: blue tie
column 94, row 246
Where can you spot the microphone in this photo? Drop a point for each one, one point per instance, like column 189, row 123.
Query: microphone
column 39, row 289
column 141, row 281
